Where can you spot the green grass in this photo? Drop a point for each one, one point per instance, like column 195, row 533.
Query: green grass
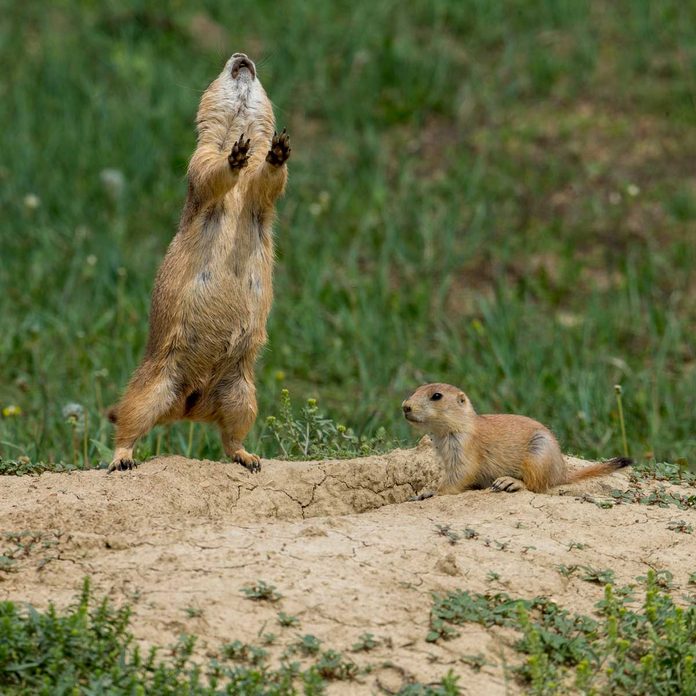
column 498, row 195
column 650, row 649
column 89, row 649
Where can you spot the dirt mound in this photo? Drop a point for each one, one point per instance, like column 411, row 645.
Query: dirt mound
column 177, row 488
column 180, row 538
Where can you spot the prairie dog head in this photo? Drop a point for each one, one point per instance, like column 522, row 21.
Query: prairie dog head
column 439, row 409
column 235, row 103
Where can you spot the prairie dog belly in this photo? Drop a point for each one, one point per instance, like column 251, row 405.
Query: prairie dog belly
column 225, row 309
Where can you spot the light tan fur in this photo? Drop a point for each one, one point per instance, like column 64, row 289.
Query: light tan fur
column 503, row 452
column 213, row 291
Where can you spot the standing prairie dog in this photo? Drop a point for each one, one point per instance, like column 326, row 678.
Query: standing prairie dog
column 213, row 291
column 506, row 452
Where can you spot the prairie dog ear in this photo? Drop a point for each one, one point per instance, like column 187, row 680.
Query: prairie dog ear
column 461, row 397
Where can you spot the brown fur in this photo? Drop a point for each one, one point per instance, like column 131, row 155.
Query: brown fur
column 504, row 452
column 213, row 291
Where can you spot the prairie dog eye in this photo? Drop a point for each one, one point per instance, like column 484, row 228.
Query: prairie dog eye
column 436, row 396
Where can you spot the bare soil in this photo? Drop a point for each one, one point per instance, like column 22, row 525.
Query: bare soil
column 342, row 544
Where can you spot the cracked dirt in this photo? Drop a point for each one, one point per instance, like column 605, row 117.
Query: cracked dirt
column 179, row 539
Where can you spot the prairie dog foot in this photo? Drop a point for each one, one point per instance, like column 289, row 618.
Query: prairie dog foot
column 249, row 461
column 422, row 496
column 507, row 484
column 239, row 155
column 121, row 464
column 280, row 149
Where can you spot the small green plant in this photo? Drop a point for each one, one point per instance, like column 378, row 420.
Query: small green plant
column 577, row 545
column 366, row 642
column 439, row 629
column 269, row 638
column 307, row 645
column 193, row 612
column 567, row 571
column 286, row 620
column 470, row 533
column 492, row 576
column 680, row 526
column 260, row 591
column 602, row 503
column 600, row 577
column 660, row 578
column 236, row 650
column 332, row 665
column 448, row 686
column 474, row 661
column 7, row 564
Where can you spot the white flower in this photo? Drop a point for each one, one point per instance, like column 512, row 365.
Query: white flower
column 32, row 201
column 113, row 181
column 75, row 415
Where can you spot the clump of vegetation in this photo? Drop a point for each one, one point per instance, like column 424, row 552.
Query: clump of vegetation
column 627, row 651
column 89, row 649
column 453, row 536
column 310, row 434
column 244, row 652
column 660, row 497
column 23, row 466
column 673, row 472
column 23, row 544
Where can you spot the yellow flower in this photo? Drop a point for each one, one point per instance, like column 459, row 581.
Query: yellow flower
column 11, row 410
column 279, row 376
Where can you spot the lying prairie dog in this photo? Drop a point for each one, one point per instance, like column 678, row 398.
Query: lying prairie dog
column 500, row 451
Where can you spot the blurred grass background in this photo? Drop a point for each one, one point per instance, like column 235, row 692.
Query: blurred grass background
column 501, row 195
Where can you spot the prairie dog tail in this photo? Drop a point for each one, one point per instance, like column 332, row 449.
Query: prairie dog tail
column 599, row 469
